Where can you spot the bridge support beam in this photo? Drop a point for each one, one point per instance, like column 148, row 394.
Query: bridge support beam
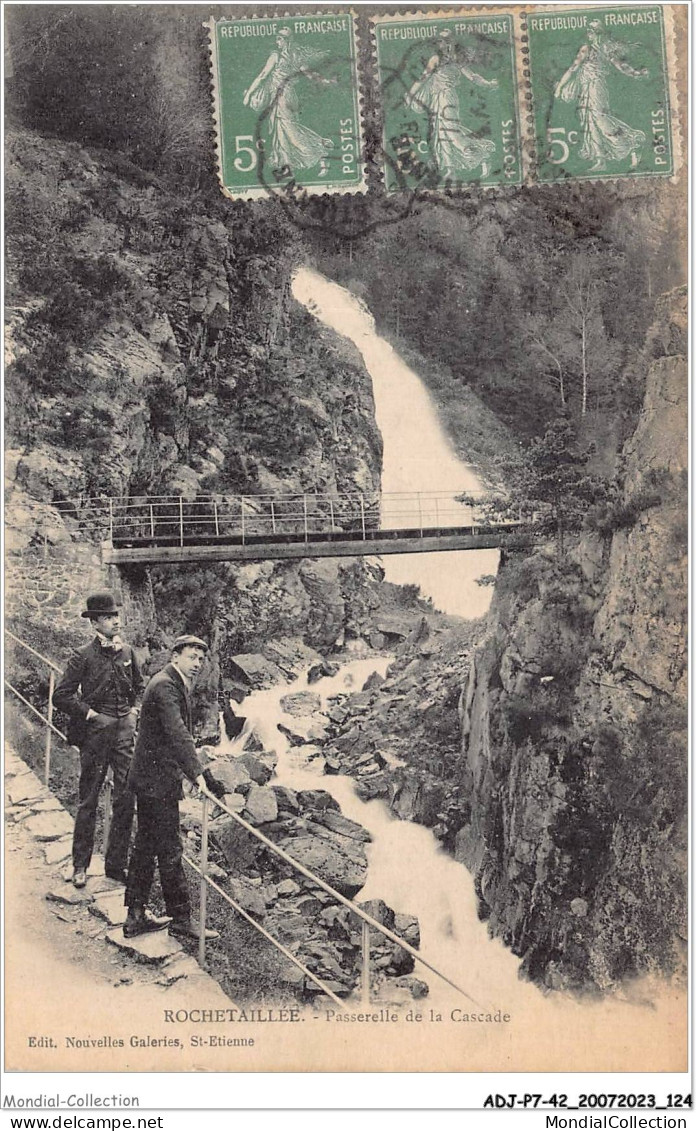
column 277, row 551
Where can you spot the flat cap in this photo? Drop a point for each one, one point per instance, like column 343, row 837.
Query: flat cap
column 189, row 642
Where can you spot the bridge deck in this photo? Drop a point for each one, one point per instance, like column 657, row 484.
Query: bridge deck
column 315, row 545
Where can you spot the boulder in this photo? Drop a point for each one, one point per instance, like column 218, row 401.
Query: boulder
column 337, row 823
column 240, row 848
column 232, row 773
column 255, row 670
column 291, row 655
column 234, row 724
column 372, row 681
column 287, row 888
column 407, row 927
column 249, row 898
column 324, row 670
column 394, row 627
column 303, row 730
column 259, row 767
column 261, row 805
column 316, row 799
column 286, row 798
column 301, row 703
column 344, row 869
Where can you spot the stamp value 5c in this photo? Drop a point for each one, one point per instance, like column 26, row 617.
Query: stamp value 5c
column 286, row 104
column 448, row 91
column 600, row 92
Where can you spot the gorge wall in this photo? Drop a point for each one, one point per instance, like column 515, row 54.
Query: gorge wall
column 155, row 348
column 574, row 722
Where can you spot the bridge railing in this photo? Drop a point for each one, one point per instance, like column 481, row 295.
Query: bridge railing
column 51, row 729
column 174, row 519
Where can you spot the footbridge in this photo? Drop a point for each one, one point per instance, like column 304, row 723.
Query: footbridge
column 170, row 529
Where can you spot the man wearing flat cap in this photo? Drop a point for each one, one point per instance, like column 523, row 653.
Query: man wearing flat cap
column 98, row 690
column 165, row 753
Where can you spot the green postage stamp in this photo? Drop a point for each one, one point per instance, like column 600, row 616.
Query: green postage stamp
column 601, row 95
column 448, row 91
column 286, row 104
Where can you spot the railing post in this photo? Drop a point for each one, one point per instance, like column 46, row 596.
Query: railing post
column 49, row 717
column 273, row 525
column 331, row 510
column 152, row 520
column 203, row 901
column 111, row 520
column 181, row 520
column 304, row 509
column 108, row 796
column 362, row 515
column 365, row 986
column 217, row 524
column 242, row 502
column 437, row 514
column 420, row 513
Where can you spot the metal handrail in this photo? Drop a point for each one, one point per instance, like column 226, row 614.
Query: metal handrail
column 368, row 919
column 47, row 720
column 205, row 879
column 50, row 663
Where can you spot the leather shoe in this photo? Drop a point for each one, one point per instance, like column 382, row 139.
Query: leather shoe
column 79, row 878
column 118, row 875
column 187, row 931
column 142, row 922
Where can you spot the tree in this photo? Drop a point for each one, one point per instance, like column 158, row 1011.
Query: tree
column 550, row 490
column 596, row 355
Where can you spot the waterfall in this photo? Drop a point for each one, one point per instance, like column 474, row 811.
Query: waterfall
column 418, row 456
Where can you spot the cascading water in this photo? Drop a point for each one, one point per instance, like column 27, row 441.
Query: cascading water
column 407, row 868
column 417, row 454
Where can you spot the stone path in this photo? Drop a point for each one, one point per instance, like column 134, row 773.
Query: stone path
column 66, row 945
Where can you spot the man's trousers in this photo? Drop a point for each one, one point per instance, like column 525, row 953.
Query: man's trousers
column 158, row 840
column 108, row 742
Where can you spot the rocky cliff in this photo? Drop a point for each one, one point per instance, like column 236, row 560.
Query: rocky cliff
column 154, row 348
column 574, row 721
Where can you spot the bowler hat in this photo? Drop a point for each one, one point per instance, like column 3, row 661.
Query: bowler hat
column 100, row 605
column 188, row 642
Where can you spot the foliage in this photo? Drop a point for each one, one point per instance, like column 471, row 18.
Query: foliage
column 550, row 489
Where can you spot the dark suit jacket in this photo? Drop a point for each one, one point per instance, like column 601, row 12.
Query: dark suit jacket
column 164, row 750
column 89, row 670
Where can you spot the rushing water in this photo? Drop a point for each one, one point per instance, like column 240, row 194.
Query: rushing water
column 418, row 456
column 407, row 868
column 410, row 872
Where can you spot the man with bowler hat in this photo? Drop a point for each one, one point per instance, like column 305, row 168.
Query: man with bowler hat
column 98, row 690
column 165, row 753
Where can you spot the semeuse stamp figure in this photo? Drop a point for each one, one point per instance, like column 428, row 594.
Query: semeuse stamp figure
column 286, row 104
column 98, row 690
column 608, row 112
column 448, row 91
column 165, row 753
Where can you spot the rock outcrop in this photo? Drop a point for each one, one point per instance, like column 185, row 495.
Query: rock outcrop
column 574, row 723
column 154, row 347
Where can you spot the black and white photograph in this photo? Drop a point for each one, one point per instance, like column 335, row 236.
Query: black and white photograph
column 346, row 527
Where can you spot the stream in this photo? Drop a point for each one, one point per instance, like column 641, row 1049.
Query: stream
column 407, row 867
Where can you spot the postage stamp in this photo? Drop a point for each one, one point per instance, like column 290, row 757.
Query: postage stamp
column 286, row 104
column 448, row 91
column 601, row 97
